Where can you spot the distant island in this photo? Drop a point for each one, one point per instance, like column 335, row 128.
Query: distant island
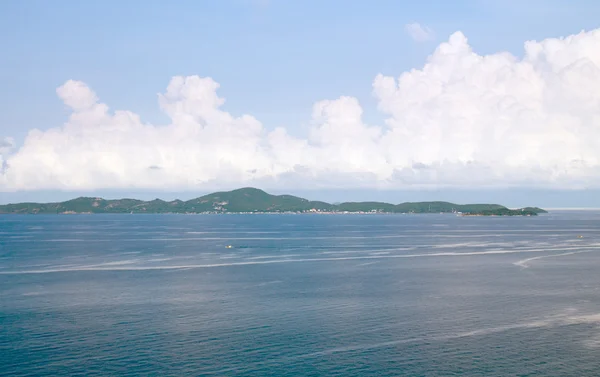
column 252, row 200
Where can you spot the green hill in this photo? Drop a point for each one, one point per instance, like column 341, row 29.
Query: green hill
column 253, row 200
column 435, row 207
column 534, row 209
column 365, row 207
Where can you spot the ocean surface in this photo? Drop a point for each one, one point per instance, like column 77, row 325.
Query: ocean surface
column 300, row 295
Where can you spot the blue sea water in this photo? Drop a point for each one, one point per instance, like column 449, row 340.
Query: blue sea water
column 300, row 295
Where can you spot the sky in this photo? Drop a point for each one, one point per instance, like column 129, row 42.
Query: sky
column 351, row 100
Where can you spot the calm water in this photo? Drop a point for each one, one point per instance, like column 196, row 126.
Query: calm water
column 411, row 295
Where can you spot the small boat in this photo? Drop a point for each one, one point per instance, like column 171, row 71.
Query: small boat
column 229, row 247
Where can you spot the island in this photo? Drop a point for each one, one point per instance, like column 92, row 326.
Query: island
column 255, row 201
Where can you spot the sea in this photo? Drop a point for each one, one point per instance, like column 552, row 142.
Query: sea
column 300, row 295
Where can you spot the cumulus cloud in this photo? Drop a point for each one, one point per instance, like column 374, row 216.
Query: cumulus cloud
column 418, row 32
column 462, row 120
column 6, row 145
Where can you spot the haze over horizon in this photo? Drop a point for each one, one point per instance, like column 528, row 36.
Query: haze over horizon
column 392, row 103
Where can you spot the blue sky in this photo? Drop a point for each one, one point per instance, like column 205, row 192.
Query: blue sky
column 273, row 59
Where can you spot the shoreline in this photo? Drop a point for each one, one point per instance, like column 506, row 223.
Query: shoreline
column 251, row 200
column 268, row 213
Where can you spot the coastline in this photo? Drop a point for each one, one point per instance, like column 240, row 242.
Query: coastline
column 70, row 213
column 250, row 200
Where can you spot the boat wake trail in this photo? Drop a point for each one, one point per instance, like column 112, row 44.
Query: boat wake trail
column 524, row 263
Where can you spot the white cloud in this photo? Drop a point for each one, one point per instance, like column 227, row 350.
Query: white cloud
column 6, row 145
column 463, row 120
column 418, row 32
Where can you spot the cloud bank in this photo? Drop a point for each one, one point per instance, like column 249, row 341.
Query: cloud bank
column 462, row 120
column 418, row 32
column 6, row 145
